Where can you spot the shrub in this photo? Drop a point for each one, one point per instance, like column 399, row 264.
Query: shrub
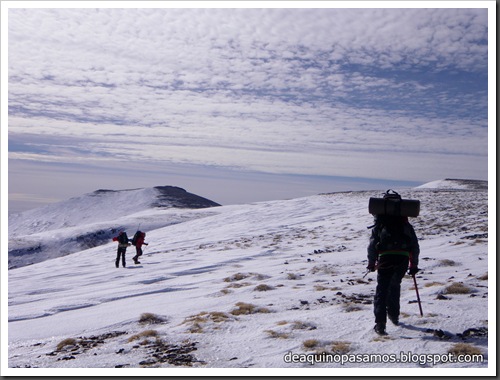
column 248, row 308
column 263, row 288
column 447, row 263
column 350, row 307
column 320, row 288
column 298, row 325
column 236, row 277
column 484, row 276
column 237, row 285
column 464, row 349
column 340, row 347
column 66, row 342
column 434, row 283
column 324, row 269
column 196, row 328
column 218, row 316
column 276, row 334
column 197, row 321
column 457, row 288
column 144, row 334
column 150, row 318
column 310, row 344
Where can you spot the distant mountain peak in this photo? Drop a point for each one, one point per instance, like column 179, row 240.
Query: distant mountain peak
column 173, row 196
column 456, row 184
column 92, row 219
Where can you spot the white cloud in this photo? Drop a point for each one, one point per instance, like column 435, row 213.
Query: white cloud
column 309, row 91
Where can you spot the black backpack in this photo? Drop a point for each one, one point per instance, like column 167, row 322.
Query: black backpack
column 393, row 236
column 136, row 236
column 123, row 238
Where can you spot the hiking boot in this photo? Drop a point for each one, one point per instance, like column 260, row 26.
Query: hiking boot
column 117, row 265
column 380, row 329
column 394, row 319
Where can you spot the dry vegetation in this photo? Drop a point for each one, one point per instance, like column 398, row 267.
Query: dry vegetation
column 457, row 288
column 66, row 342
column 247, row 308
column 144, row 334
column 263, row 288
column 447, row 263
column 151, row 319
column 484, row 277
column 198, row 321
column 340, row 347
column 464, row 349
column 310, row 344
column 277, row 334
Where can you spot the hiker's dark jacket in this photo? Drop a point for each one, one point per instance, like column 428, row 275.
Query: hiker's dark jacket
column 374, row 254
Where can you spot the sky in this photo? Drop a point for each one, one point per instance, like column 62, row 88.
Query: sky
column 241, row 102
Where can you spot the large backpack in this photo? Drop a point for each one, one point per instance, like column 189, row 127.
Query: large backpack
column 123, row 238
column 394, row 234
column 136, row 236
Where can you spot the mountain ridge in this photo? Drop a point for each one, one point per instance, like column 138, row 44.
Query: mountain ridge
column 283, row 277
column 92, row 219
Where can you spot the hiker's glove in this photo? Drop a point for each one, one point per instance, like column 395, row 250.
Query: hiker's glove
column 413, row 270
column 371, row 267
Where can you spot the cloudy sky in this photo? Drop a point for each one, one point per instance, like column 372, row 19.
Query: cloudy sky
column 244, row 104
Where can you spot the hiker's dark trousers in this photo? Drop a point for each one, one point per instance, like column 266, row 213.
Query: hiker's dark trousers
column 120, row 253
column 138, row 252
column 391, row 270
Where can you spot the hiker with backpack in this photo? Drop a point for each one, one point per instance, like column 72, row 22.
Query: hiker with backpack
column 392, row 251
column 123, row 243
column 138, row 241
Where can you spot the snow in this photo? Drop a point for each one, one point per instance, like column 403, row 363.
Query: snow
column 309, row 252
column 92, row 219
column 457, row 184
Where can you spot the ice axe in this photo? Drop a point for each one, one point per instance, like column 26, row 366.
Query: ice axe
column 418, row 296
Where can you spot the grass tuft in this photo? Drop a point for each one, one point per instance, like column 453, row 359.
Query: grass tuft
column 277, row 335
column 151, row 319
column 310, row 344
column 483, row 277
column 341, row 347
column 447, row 263
column 248, row 308
column 433, row 283
column 464, row 349
column 236, row 277
column 66, row 342
column 144, row 334
column 263, row 288
column 457, row 288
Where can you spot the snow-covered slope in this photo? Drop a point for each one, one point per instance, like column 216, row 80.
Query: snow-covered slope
column 456, row 184
column 93, row 219
column 249, row 286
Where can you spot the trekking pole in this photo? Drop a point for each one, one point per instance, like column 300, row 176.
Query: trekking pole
column 418, row 296
column 368, row 271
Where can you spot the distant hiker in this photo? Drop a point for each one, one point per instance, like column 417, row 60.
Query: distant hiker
column 393, row 246
column 123, row 243
column 138, row 241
